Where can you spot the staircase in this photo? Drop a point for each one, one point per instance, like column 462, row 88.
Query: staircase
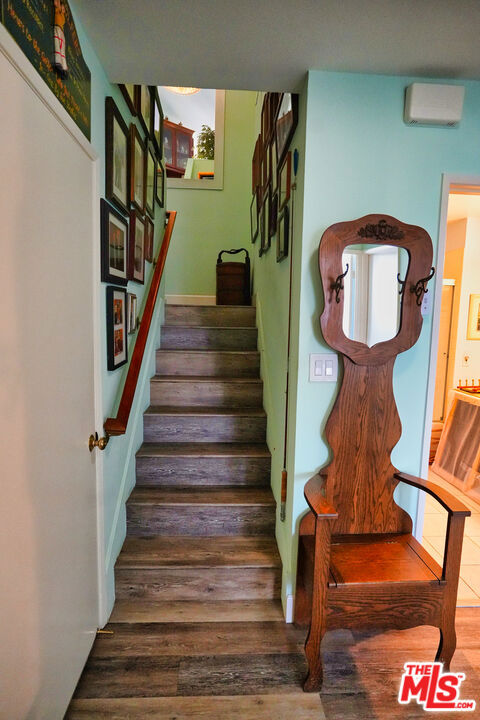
column 197, row 623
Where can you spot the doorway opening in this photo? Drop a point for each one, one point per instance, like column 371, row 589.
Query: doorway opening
column 453, row 435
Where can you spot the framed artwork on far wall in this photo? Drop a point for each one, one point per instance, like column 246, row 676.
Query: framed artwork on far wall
column 116, row 156
column 149, row 230
column 285, row 181
column 128, row 92
column 254, row 218
column 156, row 130
column 264, row 224
column 117, row 354
column 160, row 184
column 114, row 242
column 285, row 124
column 283, row 234
column 136, row 248
column 473, row 326
column 137, row 170
column 151, row 180
column 132, row 320
column 273, row 214
column 143, row 105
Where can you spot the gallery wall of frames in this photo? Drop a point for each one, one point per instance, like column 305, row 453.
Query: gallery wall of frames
column 134, row 186
column 270, row 208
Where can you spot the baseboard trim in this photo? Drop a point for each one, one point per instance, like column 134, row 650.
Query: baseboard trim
column 190, row 299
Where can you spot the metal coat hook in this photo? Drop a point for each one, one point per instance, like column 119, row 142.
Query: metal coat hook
column 421, row 286
column 338, row 285
column 402, row 284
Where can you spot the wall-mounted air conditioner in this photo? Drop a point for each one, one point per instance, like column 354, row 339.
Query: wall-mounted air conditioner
column 433, row 104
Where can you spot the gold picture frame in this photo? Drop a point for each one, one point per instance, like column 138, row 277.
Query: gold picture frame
column 473, row 325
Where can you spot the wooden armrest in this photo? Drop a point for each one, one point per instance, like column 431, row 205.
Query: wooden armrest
column 446, row 499
column 315, row 497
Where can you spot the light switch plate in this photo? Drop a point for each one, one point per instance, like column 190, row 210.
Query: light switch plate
column 323, row 367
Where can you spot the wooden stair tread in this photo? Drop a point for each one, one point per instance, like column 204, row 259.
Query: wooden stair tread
column 160, row 378
column 201, row 496
column 169, row 552
column 203, row 449
column 196, row 611
column 193, row 410
column 202, row 351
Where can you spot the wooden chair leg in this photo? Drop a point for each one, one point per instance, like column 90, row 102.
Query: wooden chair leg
column 447, row 644
column 313, row 681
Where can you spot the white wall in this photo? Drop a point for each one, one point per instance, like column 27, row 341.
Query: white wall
column 470, row 285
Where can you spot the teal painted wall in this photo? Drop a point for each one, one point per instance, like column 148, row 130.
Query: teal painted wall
column 119, row 457
column 212, row 220
column 361, row 158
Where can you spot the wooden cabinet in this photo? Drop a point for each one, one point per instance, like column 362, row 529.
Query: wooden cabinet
column 177, row 147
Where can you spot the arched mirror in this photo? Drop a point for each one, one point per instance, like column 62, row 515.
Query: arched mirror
column 372, row 292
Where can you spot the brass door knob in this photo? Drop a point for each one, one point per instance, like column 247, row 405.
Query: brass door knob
column 94, row 441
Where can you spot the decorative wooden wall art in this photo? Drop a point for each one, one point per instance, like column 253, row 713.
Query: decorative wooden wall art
column 358, row 564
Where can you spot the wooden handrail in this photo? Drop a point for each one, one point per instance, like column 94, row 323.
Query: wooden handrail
column 118, row 425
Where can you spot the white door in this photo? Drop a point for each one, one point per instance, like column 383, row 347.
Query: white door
column 48, row 561
column 443, row 352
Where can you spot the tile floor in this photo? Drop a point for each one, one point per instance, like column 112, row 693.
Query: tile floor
column 434, row 541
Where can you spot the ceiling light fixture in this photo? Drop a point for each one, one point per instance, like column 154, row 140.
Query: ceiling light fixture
column 182, row 90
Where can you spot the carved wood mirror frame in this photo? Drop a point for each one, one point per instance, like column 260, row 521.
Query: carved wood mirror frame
column 379, row 230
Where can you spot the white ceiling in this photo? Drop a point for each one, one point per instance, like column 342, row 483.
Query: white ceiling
column 270, row 44
column 463, row 206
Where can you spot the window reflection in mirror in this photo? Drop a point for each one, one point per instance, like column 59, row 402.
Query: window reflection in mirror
column 372, row 302
column 193, row 136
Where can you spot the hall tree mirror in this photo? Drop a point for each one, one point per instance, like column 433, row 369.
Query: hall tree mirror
column 372, row 296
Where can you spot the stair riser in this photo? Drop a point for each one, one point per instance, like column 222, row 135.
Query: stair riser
column 200, row 521
column 198, row 428
column 203, row 471
column 210, row 316
column 201, row 338
column 199, row 583
column 213, row 394
column 209, row 363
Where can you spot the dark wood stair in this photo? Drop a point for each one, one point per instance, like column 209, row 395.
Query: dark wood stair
column 198, row 629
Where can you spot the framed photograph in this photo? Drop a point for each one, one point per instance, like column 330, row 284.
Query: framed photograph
column 116, row 327
column 264, row 224
column 151, row 180
column 284, row 181
column 254, row 218
column 116, row 156
column 137, row 170
column 256, row 165
column 265, row 120
column 132, row 320
column 128, row 92
column 273, row 214
column 156, row 129
column 114, row 243
column 143, row 105
column 136, row 248
column 473, row 327
column 149, row 230
column 273, row 163
column 285, row 124
column 283, row 233
column 160, row 184
column 267, row 167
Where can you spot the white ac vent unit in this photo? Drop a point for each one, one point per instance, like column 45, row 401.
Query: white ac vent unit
column 432, row 104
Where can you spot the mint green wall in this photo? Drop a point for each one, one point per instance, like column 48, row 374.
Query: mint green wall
column 361, row 158
column 212, row 220
column 271, row 282
column 119, row 457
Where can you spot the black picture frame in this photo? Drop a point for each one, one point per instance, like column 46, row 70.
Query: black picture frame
column 156, row 128
column 116, row 156
column 137, row 169
column 116, row 311
column 148, row 241
column 273, row 214
column 136, row 247
column 132, row 319
column 151, row 180
column 283, row 232
column 160, row 184
column 128, row 92
column 286, row 123
column 284, row 181
column 143, row 106
column 254, row 218
column 264, row 224
column 114, row 245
